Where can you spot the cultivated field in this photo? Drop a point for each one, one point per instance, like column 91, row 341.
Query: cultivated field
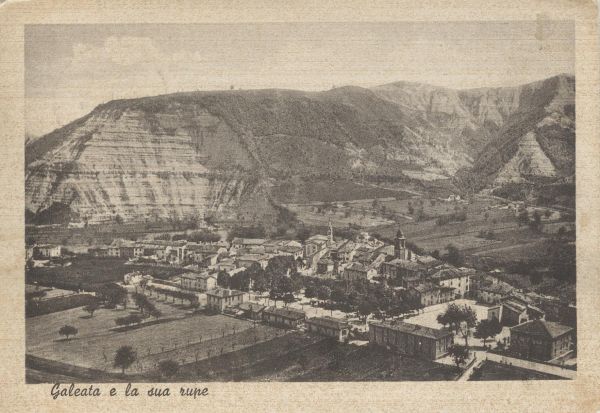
column 182, row 339
column 89, row 273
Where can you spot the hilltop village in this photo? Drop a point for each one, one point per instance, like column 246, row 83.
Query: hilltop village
column 357, row 292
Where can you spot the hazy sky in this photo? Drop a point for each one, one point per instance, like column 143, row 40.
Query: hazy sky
column 70, row 69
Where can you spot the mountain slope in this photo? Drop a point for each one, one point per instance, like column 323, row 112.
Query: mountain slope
column 221, row 152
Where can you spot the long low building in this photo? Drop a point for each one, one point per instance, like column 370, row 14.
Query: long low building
column 328, row 326
column 283, row 317
column 411, row 339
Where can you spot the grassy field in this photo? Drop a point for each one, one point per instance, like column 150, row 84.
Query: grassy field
column 329, row 191
column 88, row 273
column 491, row 371
column 184, row 339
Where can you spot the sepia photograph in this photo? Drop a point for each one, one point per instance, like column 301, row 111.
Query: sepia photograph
column 300, row 202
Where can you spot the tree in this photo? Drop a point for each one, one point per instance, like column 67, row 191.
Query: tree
column 523, row 217
column 459, row 354
column 223, row 279
column 310, row 291
column 124, row 357
column 459, row 319
column 113, row 294
column 487, row 329
column 365, row 308
column 91, row 308
column 536, row 223
column 68, row 331
column 454, row 256
column 168, row 368
column 324, row 293
column 302, row 233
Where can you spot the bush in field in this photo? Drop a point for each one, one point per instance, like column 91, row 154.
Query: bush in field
column 168, row 368
column 91, row 308
column 124, row 357
column 68, row 331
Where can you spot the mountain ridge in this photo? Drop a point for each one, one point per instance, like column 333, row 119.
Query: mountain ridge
column 230, row 144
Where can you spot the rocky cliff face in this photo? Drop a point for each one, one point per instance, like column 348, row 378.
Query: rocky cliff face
column 221, row 152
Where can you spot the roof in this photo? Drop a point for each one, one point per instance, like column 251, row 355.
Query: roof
column 222, row 293
column 514, row 306
column 249, row 241
column 543, row 328
column 203, row 276
column 254, row 307
column 405, row 264
column 426, row 287
column 448, row 273
column 414, row 329
column 329, row 322
column 318, row 238
column 499, row 288
column 286, row 313
column 356, row 266
column 290, row 248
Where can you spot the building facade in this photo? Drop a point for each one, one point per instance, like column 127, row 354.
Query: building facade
column 329, row 326
column 283, row 317
column 198, row 282
column 541, row 340
column 411, row 339
column 219, row 299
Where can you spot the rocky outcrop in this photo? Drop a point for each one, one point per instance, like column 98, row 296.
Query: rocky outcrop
column 188, row 154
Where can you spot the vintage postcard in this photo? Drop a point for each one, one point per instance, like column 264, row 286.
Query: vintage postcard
column 215, row 206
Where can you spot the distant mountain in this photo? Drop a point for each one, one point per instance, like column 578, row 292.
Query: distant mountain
column 223, row 152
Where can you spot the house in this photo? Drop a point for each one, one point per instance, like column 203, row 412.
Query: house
column 342, row 251
column 283, row 317
column 329, row 326
column 100, row 252
column 315, row 244
column 517, row 311
column 238, row 243
column 220, row 298
column 114, row 251
column 198, row 282
column 252, row 311
column 452, row 278
column 427, row 294
column 397, row 269
column 541, row 340
column 411, row 281
column 293, row 250
column 411, row 339
column 47, row 251
column 226, row 264
column 325, row 266
column 357, row 271
column 493, row 293
column 247, row 260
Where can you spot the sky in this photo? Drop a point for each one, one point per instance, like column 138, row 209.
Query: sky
column 70, row 69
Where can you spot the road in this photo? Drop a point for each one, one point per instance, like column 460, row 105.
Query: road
column 526, row 364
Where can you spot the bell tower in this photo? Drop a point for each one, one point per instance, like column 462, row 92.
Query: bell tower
column 400, row 245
